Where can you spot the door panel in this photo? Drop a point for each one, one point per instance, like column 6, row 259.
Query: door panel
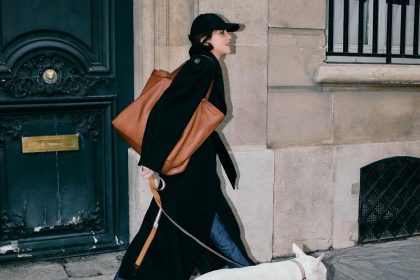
column 81, row 27
column 63, row 171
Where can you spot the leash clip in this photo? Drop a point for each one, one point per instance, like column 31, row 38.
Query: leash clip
column 159, row 187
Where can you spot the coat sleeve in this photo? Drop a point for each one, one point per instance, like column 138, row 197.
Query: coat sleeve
column 172, row 112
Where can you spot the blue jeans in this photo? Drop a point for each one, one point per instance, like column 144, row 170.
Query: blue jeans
column 117, row 276
column 221, row 239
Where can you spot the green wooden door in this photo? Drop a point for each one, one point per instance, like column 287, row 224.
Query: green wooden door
column 66, row 68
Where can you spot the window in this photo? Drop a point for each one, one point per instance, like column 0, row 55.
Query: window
column 381, row 31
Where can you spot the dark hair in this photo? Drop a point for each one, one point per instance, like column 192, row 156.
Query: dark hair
column 200, row 41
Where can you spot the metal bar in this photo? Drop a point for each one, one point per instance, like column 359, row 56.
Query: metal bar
column 373, row 55
column 375, row 26
column 389, row 33
column 416, row 28
column 360, row 32
column 403, row 26
column 331, row 25
column 346, row 27
column 388, row 55
column 361, row 55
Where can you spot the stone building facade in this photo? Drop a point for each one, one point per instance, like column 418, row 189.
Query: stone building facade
column 299, row 129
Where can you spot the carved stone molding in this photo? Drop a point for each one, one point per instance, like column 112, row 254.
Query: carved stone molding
column 50, row 74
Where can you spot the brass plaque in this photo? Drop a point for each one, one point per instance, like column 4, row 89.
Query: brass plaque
column 50, row 143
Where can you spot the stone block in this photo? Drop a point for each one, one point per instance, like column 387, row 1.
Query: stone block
column 294, row 56
column 170, row 57
column 303, row 199
column 173, row 22
column 299, row 118
column 139, row 195
column 384, row 115
column 348, row 161
column 144, row 43
column 245, row 74
column 372, row 74
column 253, row 200
column 297, row 14
column 253, row 15
column 161, row 24
column 177, row 56
column 180, row 18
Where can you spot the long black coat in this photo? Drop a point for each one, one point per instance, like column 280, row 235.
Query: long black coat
column 193, row 197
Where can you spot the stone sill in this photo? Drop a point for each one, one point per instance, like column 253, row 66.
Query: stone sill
column 374, row 74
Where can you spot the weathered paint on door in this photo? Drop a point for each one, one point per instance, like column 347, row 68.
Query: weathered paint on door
column 66, row 69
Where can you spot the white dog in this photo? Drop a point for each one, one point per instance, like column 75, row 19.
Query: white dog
column 310, row 268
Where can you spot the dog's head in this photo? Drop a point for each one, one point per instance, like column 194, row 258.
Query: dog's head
column 314, row 268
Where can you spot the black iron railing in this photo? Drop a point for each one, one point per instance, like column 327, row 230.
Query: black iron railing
column 378, row 14
column 389, row 202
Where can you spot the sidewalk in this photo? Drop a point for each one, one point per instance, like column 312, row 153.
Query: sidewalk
column 94, row 267
column 393, row 260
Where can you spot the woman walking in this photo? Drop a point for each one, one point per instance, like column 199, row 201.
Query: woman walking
column 192, row 198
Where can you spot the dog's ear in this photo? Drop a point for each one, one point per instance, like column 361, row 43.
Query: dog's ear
column 319, row 259
column 297, row 251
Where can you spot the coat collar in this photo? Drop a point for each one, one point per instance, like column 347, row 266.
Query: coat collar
column 197, row 49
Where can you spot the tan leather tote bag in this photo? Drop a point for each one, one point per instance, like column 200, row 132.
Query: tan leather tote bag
column 131, row 122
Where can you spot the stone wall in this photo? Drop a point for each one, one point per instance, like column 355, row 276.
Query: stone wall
column 325, row 122
column 161, row 42
column 299, row 129
column 299, row 124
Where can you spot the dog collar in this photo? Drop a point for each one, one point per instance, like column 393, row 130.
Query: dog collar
column 302, row 270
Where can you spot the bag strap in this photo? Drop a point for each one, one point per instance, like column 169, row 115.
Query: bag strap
column 209, row 90
column 212, row 82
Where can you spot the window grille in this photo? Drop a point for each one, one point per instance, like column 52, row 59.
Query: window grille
column 382, row 31
column 389, row 202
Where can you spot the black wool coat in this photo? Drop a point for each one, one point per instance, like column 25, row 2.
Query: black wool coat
column 193, row 197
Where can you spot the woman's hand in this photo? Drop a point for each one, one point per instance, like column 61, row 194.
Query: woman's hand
column 146, row 172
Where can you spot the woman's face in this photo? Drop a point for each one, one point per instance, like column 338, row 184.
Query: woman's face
column 221, row 41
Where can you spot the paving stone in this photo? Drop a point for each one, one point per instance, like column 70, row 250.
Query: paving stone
column 93, row 266
column 386, row 261
column 102, row 277
column 391, row 260
column 33, row 271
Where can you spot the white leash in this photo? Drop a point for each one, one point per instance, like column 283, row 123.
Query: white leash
column 156, row 223
column 198, row 241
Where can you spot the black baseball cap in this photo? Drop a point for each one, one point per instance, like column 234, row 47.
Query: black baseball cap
column 206, row 23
